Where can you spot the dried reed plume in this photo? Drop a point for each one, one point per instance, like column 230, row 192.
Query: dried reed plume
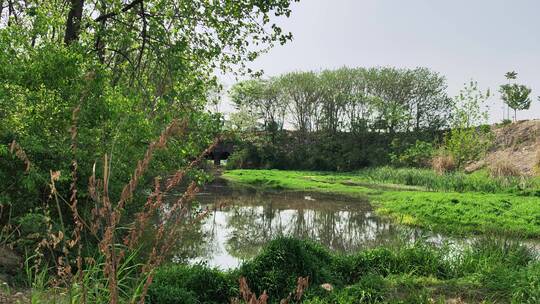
column 163, row 239
column 112, row 214
column 249, row 297
column 537, row 162
column 105, row 216
column 443, row 163
column 20, row 154
column 503, row 169
column 76, row 238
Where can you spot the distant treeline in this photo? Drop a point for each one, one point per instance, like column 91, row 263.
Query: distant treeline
column 343, row 119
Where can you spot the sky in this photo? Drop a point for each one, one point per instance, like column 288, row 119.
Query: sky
column 461, row 39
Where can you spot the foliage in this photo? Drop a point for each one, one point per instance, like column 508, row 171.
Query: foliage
column 516, row 96
column 464, row 203
column 345, row 119
column 191, row 284
column 468, row 140
column 266, row 272
column 486, row 270
column 417, row 155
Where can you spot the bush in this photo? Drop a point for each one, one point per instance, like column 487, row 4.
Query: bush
column 279, row 265
column 416, row 259
column 417, row 155
column 503, row 169
column 502, row 270
column 443, row 163
column 370, row 289
column 191, row 284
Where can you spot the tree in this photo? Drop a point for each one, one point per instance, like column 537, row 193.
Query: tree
column 86, row 87
column 334, row 85
column 516, row 96
column 430, row 106
column 261, row 98
column 511, row 75
column 468, row 140
column 302, row 93
column 116, row 73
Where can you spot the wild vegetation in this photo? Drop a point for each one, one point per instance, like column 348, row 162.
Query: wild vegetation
column 351, row 118
column 455, row 203
column 487, row 271
column 516, row 96
column 104, row 129
column 426, row 182
column 98, row 99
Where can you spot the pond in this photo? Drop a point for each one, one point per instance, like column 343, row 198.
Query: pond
column 249, row 219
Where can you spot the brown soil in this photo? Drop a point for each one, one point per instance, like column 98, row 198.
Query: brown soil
column 517, row 144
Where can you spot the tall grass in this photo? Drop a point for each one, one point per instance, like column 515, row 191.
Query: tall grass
column 450, row 181
column 487, row 270
column 537, row 162
column 118, row 272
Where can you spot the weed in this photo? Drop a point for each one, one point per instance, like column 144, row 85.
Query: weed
column 488, row 270
column 503, row 169
column 453, row 202
column 537, row 166
column 266, row 272
column 117, row 273
column 443, row 163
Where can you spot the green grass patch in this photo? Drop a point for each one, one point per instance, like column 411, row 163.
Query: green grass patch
column 487, row 271
column 455, row 203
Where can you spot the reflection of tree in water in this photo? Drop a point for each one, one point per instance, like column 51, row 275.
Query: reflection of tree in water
column 339, row 226
column 251, row 220
column 251, row 228
column 198, row 238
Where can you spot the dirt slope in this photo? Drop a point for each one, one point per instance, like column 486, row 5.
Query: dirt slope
column 517, row 143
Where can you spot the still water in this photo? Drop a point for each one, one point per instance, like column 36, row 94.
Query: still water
column 249, row 219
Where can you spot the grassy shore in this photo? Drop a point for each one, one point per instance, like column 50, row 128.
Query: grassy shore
column 454, row 203
column 487, row 271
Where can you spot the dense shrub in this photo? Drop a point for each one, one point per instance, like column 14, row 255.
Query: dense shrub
column 503, row 169
column 501, row 269
column 279, row 265
column 331, row 152
column 479, row 181
column 417, row 155
column 190, row 285
column 443, row 162
column 39, row 90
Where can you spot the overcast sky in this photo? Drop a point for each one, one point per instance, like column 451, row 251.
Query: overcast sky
column 461, row 39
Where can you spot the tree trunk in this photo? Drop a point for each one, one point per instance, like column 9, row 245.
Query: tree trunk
column 73, row 25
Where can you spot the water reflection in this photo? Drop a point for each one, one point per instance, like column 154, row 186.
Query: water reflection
column 251, row 219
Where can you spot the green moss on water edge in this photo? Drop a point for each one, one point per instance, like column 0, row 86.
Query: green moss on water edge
column 455, row 203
